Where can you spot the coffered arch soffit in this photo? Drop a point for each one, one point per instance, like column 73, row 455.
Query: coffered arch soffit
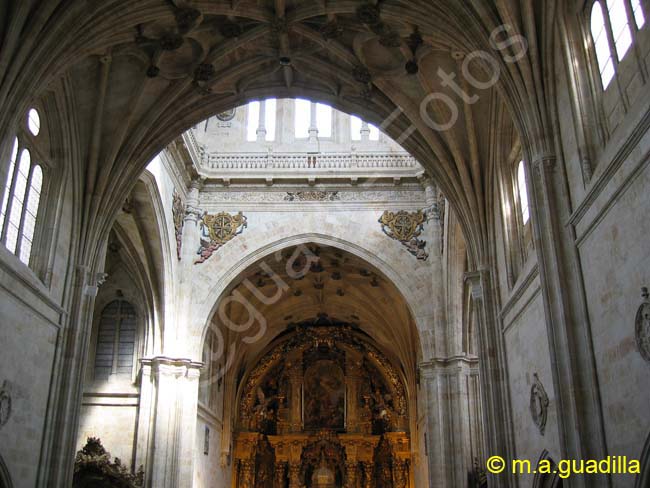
column 385, row 310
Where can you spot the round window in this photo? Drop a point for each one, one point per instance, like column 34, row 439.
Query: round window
column 33, row 121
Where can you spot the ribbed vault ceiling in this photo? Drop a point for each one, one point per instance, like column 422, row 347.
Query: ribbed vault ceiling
column 129, row 77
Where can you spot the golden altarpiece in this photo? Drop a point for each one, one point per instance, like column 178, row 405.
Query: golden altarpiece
column 323, row 408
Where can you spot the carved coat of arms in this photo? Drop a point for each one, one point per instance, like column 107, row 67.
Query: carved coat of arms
column 538, row 404
column 406, row 227
column 218, row 229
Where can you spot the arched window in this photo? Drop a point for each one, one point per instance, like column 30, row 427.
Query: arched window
column 33, row 122
column 611, row 30
column 22, row 192
column 620, row 27
column 115, row 341
column 601, row 44
column 523, row 193
column 20, row 204
column 8, row 184
column 30, row 213
column 639, row 16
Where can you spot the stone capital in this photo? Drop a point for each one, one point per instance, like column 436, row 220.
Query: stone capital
column 475, row 280
column 192, row 213
column 544, row 163
column 163, row 365
column 197, row 184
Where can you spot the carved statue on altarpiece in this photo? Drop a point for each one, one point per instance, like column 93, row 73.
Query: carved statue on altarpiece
column 377, row 401
column 269, row 398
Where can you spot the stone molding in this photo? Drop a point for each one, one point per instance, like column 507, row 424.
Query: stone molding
column 447, row 366
column 281, row 198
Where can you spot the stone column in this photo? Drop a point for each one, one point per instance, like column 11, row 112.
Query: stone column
column 435, row 344
column 575, row 378
column 313, row 123
column 280, row 115
column 294, row 475
column 191, row 236
column 279, row 474
column 494, row 390
column 287, row 124
column 261, row 125
column 174, row 384
column 448, row 422
column 365, row 131
column 343, row 130
column 57, row 460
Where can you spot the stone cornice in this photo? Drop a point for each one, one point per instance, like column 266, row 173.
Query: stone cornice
column 166, row 362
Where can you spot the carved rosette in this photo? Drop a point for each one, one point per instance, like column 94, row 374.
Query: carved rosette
column 642, row 325
column 216, row 230
column 406, row 227
column 538, row 404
